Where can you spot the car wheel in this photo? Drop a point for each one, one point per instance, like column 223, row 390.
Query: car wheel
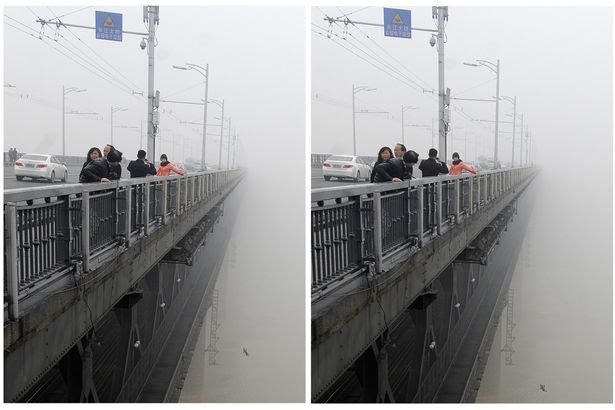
column 357, row 177
column 65, row 177
column 19, row 178
column 52, row 176
column 327, row 178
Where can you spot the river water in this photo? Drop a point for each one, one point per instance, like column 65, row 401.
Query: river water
column 261, row 309
column 562, row 306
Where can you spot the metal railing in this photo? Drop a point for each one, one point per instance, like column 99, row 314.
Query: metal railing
column 357, row 226
column 51, row 230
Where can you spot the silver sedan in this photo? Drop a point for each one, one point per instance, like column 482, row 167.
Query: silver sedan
column 40, row 166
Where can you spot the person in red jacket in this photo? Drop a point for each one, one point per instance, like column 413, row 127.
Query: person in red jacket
column 458, row 166
column 166, row 167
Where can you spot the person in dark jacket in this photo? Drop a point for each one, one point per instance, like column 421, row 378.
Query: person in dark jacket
column 384, row 154
column 99, row 170
column 93, row 153
column 432, row 166
column 116, row 169
column 396, row 169
column 141, row 167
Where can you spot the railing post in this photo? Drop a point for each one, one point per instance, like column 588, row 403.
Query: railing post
column 457, row 200
column 146, row 207
column 421, row 211
column 471, row 194
column 186, row 193
column 12, row 279
column 377, row 232
column 85, row 230
column 478, row 191
column 194, row 180
column 178, row 195
column 128, row 215
column 439, row 207
column 165, row 197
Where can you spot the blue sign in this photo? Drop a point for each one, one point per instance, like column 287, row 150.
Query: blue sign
column 108, row 26
column 397, row 23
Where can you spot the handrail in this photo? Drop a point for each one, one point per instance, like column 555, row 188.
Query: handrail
column 45, row 232
column 357, row 226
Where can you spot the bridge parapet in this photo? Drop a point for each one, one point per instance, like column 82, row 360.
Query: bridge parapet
column 46, row 234
column 356, row 227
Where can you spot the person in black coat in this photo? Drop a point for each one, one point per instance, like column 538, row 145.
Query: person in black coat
column 432, row 166
column 116, row 169
column 396, row 169
column 384, row 154
column 99, row 170
column 93, row 153
column 141, row 167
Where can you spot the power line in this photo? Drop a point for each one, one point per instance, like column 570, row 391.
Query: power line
column 42, row 36
column 107, row 63
column 390, row 55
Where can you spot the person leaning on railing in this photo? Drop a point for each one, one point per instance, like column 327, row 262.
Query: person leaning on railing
column 458, row 166
column 165, row 168
column 99, row 170
column 396, row 169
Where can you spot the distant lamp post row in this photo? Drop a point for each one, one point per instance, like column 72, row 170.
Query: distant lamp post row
column 204, row 71
column 496, row 69
column 64, row 92
column 355, row 91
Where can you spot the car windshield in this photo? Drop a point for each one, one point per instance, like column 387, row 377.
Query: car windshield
column 35, row 157
column 340, row 158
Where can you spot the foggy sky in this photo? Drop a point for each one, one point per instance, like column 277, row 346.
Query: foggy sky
column 556, row 60
column 258, row 72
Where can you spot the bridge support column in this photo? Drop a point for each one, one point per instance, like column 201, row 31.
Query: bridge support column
column 130, row 340
column 76, row 368
column 372, row 370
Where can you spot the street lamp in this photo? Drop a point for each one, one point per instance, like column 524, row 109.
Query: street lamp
column 496, row 69
column 205, row 73
column 113, row 110
column 514, row 103
column 64, row 92
column 221, row 105
column 356, row 90
column 404, row 109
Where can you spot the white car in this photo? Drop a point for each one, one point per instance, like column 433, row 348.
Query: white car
column 345, row 166
column 40, row 166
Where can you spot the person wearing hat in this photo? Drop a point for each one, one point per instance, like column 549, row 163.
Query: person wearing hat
column 432, row 166
column 458, row 166
column 99, row 170
column 166, row 167
column 141, row 167
column 396, row 169
column 116, row 167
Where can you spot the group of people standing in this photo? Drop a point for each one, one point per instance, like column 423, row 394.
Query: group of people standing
column 397, row 165
column 105, row 166
column 13, row 154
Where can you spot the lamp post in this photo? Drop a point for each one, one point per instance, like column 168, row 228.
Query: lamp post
column 64, row 92
column 114, row 110
column 514, row 103
column 356, row 90
column 496, row 69
column 228, row 146
column 205, row 73
column 221, row 105
column 404, row 109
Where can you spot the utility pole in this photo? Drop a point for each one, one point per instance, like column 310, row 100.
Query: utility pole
column 521, row 144
column 404, row 109
column 354, row 138
column 204, row 143
column 114, row 110
column 221, row 137
column 442, row 16
column 512, row 160
column 152, row 18
column 228, row 146
column 234, row 146
column 64, row 92
column 497, row 113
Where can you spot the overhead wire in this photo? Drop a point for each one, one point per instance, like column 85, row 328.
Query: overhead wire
column 105, row 61
column 428, row 86
column 41, row 37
